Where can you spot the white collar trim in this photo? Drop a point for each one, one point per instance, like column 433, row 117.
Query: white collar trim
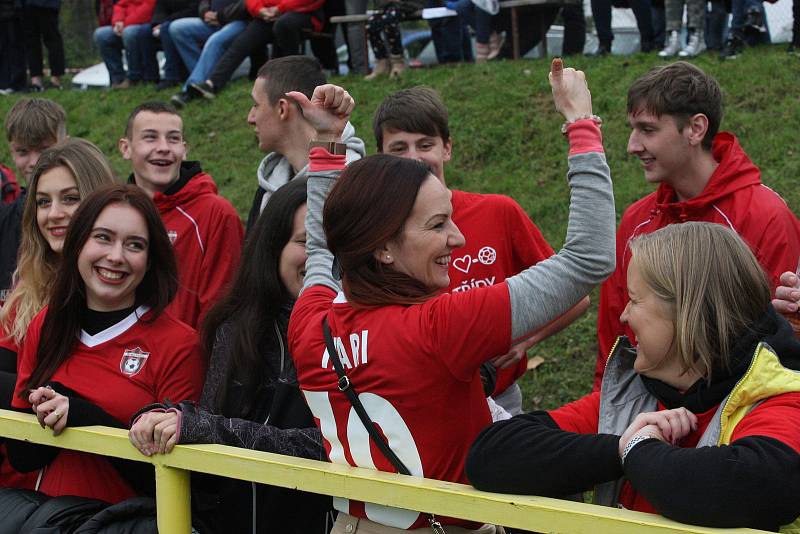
column 114, row 330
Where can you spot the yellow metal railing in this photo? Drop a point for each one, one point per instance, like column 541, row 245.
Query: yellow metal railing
column 539, row 514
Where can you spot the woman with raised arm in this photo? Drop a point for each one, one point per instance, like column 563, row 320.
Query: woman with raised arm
column 411, row 353
column 251, row 397
column 698, row 422
column 104, row 346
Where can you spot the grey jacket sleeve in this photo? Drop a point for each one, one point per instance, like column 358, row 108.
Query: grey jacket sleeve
column 318, row 264
column 541, row 293
column 200, row 426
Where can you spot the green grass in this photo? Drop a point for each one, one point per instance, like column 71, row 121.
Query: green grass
column 506, row 140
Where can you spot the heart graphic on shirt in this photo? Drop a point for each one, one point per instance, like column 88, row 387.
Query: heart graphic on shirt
column 463, row 264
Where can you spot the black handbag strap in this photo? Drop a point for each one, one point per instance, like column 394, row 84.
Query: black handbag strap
column 352, row 395
column 346, row 387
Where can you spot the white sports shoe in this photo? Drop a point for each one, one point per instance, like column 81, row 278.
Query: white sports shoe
column 673, row 46
column 695, row 46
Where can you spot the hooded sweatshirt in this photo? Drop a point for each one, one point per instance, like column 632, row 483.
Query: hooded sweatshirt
column 735, row 197
column 275, row 171
column 206, row 234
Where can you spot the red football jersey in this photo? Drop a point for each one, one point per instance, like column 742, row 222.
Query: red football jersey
column 121, row 369
column 501, row 241
column 416, row 371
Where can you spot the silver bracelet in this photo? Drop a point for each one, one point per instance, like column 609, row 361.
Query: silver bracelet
column 634, row 441
column 597, row 120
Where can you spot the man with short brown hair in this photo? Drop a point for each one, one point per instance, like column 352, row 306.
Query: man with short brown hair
column 674, row 112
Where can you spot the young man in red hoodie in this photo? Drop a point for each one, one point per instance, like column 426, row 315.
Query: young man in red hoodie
column 204, row 228
column 674, row 113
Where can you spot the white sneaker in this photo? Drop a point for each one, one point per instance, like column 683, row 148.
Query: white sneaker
column 673, row 46
column 695, row 46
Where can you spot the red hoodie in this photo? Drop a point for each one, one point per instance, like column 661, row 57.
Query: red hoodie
column 286, row 6
column 206, row 234
column 131, row 12
column 734, row 197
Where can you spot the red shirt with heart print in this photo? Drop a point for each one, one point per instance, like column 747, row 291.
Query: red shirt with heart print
column 501, row 241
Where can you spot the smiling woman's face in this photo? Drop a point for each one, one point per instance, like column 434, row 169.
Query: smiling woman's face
column 57, row 198
column 429, row 236
column 113, row 260
column 651, row 320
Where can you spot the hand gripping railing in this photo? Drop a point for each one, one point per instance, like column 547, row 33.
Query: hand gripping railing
column 539, row 514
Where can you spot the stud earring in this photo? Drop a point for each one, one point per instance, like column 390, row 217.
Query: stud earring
column 388, row 257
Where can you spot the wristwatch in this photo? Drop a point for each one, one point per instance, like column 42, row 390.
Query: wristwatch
column 333, row 147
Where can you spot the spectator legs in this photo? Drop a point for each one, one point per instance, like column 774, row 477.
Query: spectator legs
column 12, row 50
column 189, row 35
column 574, row 29
column 255, row 36
column 287, row 32
column 139, row 45
column 356, row 38
column 41, row 25
column 110, row 46
column 174, row 69
column 216, row 45
column 716, row 25
column 601, row 11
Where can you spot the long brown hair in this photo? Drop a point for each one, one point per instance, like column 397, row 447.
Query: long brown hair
column 36, row 267
column 68, row 298
column 366, row 209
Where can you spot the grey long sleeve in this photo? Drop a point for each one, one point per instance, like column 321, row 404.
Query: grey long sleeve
column 541, row 293
column 320, row 259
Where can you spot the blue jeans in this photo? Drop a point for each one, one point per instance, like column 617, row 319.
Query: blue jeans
column 189, row 36
column 174, row 70
column 137, row 41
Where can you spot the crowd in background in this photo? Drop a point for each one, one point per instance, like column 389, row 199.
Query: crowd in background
column 204, row 41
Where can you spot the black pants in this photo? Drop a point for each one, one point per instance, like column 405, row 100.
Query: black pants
column 574, row 29
column 285, row 34
column 796, row 23
column 12, row 55
column 601, row 11
column 41, row 25
column 530, row 33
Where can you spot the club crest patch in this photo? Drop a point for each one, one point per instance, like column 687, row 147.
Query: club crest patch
column 173, row 235
column 133, row 361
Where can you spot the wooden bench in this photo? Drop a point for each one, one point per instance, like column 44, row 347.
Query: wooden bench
column 505, row 4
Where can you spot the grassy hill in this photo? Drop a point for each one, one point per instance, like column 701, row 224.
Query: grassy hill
column 505, row 140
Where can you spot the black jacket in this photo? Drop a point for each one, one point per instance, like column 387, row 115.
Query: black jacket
column 167, row 10
column 10, row 234
column 278, row 421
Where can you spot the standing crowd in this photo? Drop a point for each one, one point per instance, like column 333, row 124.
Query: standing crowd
column 371, row 316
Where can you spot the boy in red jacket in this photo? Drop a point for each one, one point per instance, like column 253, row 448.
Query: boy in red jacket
column 205, row 230
column 130, row 30
column 674, row 113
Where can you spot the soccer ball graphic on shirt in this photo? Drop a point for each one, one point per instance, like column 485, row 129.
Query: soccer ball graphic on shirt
column 133, row 361
column 487, row 255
